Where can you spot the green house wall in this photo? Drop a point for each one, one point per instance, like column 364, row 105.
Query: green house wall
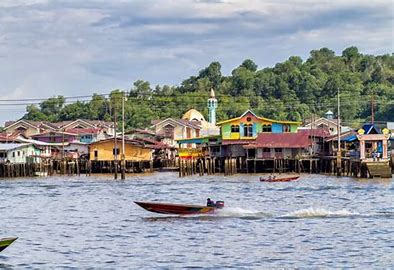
column 257, row 128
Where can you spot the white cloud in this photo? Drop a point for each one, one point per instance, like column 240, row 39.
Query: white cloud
column 16, row 3
column 73, row 47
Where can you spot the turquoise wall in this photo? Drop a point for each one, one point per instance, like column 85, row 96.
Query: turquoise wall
column 276, row 128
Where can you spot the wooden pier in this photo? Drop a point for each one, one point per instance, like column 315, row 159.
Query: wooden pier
column 49, row 167
column 317, row 165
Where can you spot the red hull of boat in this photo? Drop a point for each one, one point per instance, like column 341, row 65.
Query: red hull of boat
column 283, row 179
column 175, row 209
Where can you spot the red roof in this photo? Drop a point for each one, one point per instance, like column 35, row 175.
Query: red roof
column 150, row 143
column 140, row 131
column 239, row 142
column 4, row 137
column 281, row 140
column 316, row 132
column 50, row 133
column 80, row 131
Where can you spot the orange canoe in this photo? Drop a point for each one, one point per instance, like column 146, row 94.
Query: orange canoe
column 277, row 179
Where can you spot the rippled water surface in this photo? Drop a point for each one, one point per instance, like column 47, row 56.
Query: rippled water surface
column 92, row 222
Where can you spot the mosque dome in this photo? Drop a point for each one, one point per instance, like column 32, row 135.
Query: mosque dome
column 193, row 114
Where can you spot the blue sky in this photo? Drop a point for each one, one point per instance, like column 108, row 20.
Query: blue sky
column 70, row 47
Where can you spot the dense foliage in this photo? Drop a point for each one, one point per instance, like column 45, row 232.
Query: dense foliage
column 292, row 90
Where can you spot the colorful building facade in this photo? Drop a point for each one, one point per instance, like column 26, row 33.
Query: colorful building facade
column 249, row 125
column 104, row 150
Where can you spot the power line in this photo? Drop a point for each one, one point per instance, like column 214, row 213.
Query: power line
column 150, row 94
column 231, row 100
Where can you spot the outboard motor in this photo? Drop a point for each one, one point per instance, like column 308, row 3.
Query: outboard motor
column 219, row 204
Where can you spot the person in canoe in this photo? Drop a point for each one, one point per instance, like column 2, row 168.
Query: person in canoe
column 210, row 202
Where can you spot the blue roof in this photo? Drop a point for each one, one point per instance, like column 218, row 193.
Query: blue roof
column 191, row 140
column 350, row 138
column 369, row 127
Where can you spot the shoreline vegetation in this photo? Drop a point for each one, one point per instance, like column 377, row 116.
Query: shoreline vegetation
column 295, row 90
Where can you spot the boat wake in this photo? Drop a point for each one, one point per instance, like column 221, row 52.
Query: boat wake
column 240, row 213
column 319, row 213
column 306, row 213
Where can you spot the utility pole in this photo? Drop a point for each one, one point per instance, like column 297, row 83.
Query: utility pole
column 123, row 162
column 116, row 145
column 62, row 131
column 339, row 155
column 312, row 132
column 63, row 157
column 372, row 109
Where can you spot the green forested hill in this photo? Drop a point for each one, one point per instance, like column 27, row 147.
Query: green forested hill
column 292, row 90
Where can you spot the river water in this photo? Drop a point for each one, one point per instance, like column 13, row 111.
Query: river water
column 92, row 222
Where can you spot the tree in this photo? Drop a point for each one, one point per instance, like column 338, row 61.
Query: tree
column 249, row 65
column 98, row 107
column 293, row 89
column 213, row 74
column 34, row 113
column 52, row 107
column 141, row 89
column 76, row 110
column 351, row 57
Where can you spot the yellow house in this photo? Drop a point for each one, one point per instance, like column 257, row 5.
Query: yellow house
column 104, row 150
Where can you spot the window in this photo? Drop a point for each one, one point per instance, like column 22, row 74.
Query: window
column 169, row 131
column 267, row 128
column 266, row 150
column 278, row 150
column 13, row 154
column 117, row 151
column 21, row 129
column 95, row 153
column 197, row 133
column 234, row 128
column 249, row 119
column 286, row 128
column 248, row 130
column 19, row 153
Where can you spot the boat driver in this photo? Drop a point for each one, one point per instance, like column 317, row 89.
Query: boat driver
column 210, row 202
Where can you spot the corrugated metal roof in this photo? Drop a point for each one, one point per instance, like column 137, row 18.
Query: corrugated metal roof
column 234, row 142
column 282, row 140
column 10, row 146
column 80, row 131
column 316, row 132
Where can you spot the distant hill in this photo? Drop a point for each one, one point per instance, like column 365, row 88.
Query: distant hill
column 292, row 90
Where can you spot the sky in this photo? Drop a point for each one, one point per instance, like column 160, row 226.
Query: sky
column 72, row 47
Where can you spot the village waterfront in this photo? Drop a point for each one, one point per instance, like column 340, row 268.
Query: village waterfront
column 91, row 222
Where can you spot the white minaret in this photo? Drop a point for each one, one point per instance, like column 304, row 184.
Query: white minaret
column 212, row 105
column 329, row 115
